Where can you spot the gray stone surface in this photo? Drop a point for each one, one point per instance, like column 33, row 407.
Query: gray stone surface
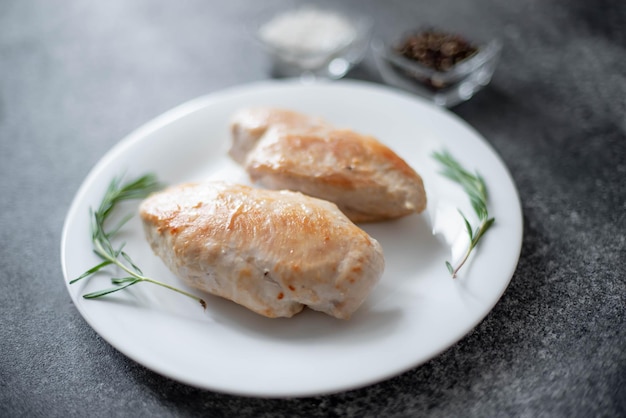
column 76, row 76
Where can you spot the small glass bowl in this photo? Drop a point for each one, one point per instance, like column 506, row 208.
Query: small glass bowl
column 444, row 88
column 328, row 63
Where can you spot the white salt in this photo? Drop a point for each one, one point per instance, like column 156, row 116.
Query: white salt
column 308, row 31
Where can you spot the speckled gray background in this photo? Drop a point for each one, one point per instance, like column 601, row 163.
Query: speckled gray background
column 77, row 76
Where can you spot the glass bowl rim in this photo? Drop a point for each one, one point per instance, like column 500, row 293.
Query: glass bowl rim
column 487, row 51
column 363, row 26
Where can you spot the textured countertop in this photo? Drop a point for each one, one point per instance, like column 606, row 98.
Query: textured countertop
column 76, row 77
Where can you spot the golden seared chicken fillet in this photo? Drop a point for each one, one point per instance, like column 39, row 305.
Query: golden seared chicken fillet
column 282, row 149
column 273, row 252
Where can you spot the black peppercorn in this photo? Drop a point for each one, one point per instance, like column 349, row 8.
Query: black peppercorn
column 435, row 49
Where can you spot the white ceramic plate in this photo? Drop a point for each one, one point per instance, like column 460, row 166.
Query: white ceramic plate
column 416, row 311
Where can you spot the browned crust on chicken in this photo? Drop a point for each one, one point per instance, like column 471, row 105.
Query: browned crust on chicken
column 271, row 251
column 250, row 124
column 365, row 178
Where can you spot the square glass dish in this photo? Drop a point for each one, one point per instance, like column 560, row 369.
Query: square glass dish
column 444, row 87
column 311, row 42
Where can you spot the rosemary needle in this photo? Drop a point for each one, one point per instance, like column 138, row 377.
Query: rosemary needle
column 116, row 193
column 475, row 188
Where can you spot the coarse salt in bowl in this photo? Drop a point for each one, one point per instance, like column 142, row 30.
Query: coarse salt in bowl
column 313, row 42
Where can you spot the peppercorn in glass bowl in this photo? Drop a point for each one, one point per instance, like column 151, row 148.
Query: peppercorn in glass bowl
column 443, row 67
column 310, row 42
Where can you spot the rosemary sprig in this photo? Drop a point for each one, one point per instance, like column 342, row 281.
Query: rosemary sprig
column 475, row 188
column 116, row 193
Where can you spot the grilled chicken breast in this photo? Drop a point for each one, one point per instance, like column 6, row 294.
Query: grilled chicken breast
column 271, row 251
column 282, row 149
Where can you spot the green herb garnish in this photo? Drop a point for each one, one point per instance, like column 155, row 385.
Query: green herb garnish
column 101, row 238
column 474, row 186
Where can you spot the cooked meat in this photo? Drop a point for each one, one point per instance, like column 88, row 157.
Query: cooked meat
column 249, row 125
column 281, row 149
column 270, row 251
